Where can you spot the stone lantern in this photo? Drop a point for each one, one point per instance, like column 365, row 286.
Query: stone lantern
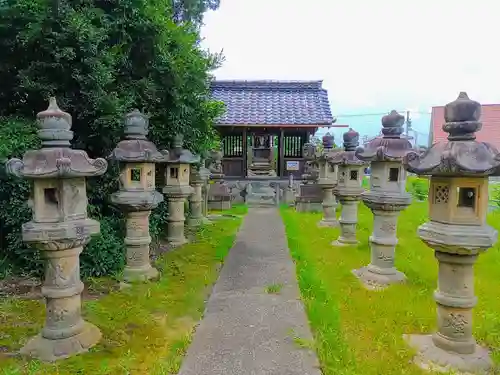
column 349, row 187
column 310, row 195
column 177, row 189
column 59, row 228
column 386, row 198
column 219, row 194
column 137, row 195
column 327, row 181
column 458, row 233
column 196, row 201
column 289, row 194
column 205, row 176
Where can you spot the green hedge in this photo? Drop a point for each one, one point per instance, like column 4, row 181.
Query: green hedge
column 101, row 60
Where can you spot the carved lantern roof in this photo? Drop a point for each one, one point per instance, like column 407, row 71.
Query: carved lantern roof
column 179, row 155
column 348, row 155
column 328, row 141
column 135, row 147
column 389, row 147
column 462, row 155
column 56, row 159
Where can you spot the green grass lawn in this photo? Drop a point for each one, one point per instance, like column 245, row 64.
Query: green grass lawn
column 146, row 328
column 359, row 332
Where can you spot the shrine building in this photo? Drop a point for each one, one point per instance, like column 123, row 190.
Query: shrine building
column 266, row 123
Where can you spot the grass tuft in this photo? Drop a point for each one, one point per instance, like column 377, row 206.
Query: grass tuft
column 274, row 288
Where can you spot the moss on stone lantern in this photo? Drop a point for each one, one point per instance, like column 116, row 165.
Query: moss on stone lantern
column 177, row 189
column 349, row 187
column 386, row 198
column 327, row 181
column 458, row 233
column 137, row 196
column 60, row 228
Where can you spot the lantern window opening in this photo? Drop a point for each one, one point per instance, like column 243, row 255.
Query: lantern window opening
column 135, row 175
column 174, row 172
column 441, row 194
column 50, row 196
column 466, row 197
column 331, row 168
column 393, row 174
column 354, row 175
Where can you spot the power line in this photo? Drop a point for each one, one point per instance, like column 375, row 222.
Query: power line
column 377, row 114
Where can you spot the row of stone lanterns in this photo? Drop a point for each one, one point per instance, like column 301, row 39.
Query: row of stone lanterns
column 60, row 226
column 457, row 230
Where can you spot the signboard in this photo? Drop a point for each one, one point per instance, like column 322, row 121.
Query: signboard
column 292, row 165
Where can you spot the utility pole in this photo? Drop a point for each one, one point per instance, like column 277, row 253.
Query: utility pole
column 408, row 126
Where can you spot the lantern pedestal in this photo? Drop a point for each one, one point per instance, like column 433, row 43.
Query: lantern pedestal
column 348, row 221
column 65, row 333
column 381, row 272
column 137, row 206
column 289, row 196
column 329, row 206
column 196, row 201
column 456, row 250
column 137, row 241
column 176, row 197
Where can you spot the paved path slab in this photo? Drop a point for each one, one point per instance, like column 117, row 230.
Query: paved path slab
column 245, row 330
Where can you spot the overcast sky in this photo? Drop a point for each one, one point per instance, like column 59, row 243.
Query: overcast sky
column 371, row 54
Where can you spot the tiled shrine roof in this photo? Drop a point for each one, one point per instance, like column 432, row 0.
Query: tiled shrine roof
column 273, row 103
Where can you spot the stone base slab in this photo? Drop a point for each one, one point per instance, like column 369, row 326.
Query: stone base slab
column 328, row 223
column 339, row 242
column 135, row 275
column 191, row 222
column 52, row 350
column 376, row 281
column 176, row 242
column 308, row 207
column 430, row 357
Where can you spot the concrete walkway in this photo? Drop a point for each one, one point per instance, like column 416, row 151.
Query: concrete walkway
column 246, row 330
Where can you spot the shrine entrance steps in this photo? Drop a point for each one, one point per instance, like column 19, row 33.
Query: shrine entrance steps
column 254, row 315
column 262, row 194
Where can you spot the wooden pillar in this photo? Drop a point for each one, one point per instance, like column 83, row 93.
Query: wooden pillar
column 281, row 153
column 245, row 152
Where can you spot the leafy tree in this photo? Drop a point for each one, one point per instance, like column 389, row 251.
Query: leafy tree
column 101, row 59
column 192, row 11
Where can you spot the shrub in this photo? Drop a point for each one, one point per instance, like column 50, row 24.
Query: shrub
column 100, row 59
column 419, row 187
column 16, row 136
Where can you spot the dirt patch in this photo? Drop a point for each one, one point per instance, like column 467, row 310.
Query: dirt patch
column 31, row 288
column 22, row 287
